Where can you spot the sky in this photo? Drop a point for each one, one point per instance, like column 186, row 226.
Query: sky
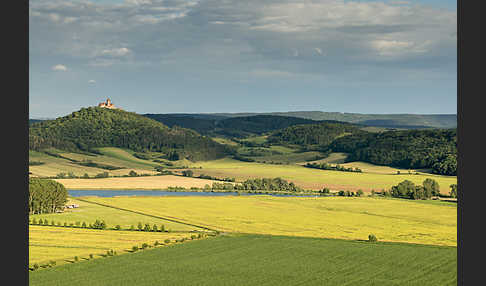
column 207, row 56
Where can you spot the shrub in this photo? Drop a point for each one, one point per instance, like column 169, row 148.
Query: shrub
column 58, row 223
column 52, row 263
column 65, row 224
column 117, row 227
column 372, row 238
column 76, row 258
column 36, row 266
column 144, row 245
column 78, row 223
column 167, row 241
column 140, row 226
column 359, row 193
column 162, row 227
column 193, row 236
column 41, row 222
column 132, row 173
column 132, row 227
column 83, row 225
column 154, row 228
column 52, row 222
column 134, row 248
column 156, row 243
column 91, row 256
column 147, row 227
column 34, row 221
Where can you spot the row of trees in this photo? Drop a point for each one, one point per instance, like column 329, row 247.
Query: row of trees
column 100, row 224
column 337, row 167
column 46, row 196
column 268, row 184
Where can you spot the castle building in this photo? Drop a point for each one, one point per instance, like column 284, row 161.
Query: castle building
column 107, row 104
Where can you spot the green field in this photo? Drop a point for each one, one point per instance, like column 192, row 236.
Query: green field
column 265, row 260
column 313, row 178
column 398, row 220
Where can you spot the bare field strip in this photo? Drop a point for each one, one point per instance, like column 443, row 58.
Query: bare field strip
column 135, row 183
column 395, row 220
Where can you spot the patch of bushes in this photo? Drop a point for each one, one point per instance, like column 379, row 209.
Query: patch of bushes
column 372, row 238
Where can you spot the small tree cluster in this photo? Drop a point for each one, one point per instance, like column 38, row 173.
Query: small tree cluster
column 407, row 189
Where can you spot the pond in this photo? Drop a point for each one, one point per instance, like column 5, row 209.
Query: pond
column 113, row 193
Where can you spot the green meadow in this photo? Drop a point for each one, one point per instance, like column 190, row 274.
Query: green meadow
column 265, row 260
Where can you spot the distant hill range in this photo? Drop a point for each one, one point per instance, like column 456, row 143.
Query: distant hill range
column 242, row 124
column 406, row 121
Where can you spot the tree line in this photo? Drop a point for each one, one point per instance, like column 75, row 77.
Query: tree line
column 337, row 167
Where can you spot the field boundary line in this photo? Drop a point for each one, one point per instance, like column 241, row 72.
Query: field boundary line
column 149, row 215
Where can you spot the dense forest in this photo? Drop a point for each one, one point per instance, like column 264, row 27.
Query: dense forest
column 238, row 127
column 99, row 127
column 314, row 136
column 412, row 149
column 46, row 196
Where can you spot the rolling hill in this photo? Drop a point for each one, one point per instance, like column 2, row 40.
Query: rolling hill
column 238, row 127
column 99, row 127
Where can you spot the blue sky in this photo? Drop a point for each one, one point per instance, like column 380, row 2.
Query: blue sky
column 177, row 56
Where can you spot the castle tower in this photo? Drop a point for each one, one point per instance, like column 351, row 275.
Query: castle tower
column 107, row 104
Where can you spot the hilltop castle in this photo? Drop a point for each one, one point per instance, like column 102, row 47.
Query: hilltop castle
column 107, row 104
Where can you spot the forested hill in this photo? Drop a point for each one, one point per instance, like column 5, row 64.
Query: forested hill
column 100, row 127
column 312, row 136
column 414, row 149
column 232, row 127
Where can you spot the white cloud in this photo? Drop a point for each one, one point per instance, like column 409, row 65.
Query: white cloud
column 59, row 68
column 91, row 81
column 117, row 52
column 319, row 51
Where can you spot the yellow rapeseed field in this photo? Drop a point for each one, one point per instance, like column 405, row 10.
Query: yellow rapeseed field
column 61, row 244
column 424, row 222
column 316, row 179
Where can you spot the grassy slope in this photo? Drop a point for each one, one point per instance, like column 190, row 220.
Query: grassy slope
column 111, row 156
column 333, row 217
column 265, row 260
column 314, row 178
